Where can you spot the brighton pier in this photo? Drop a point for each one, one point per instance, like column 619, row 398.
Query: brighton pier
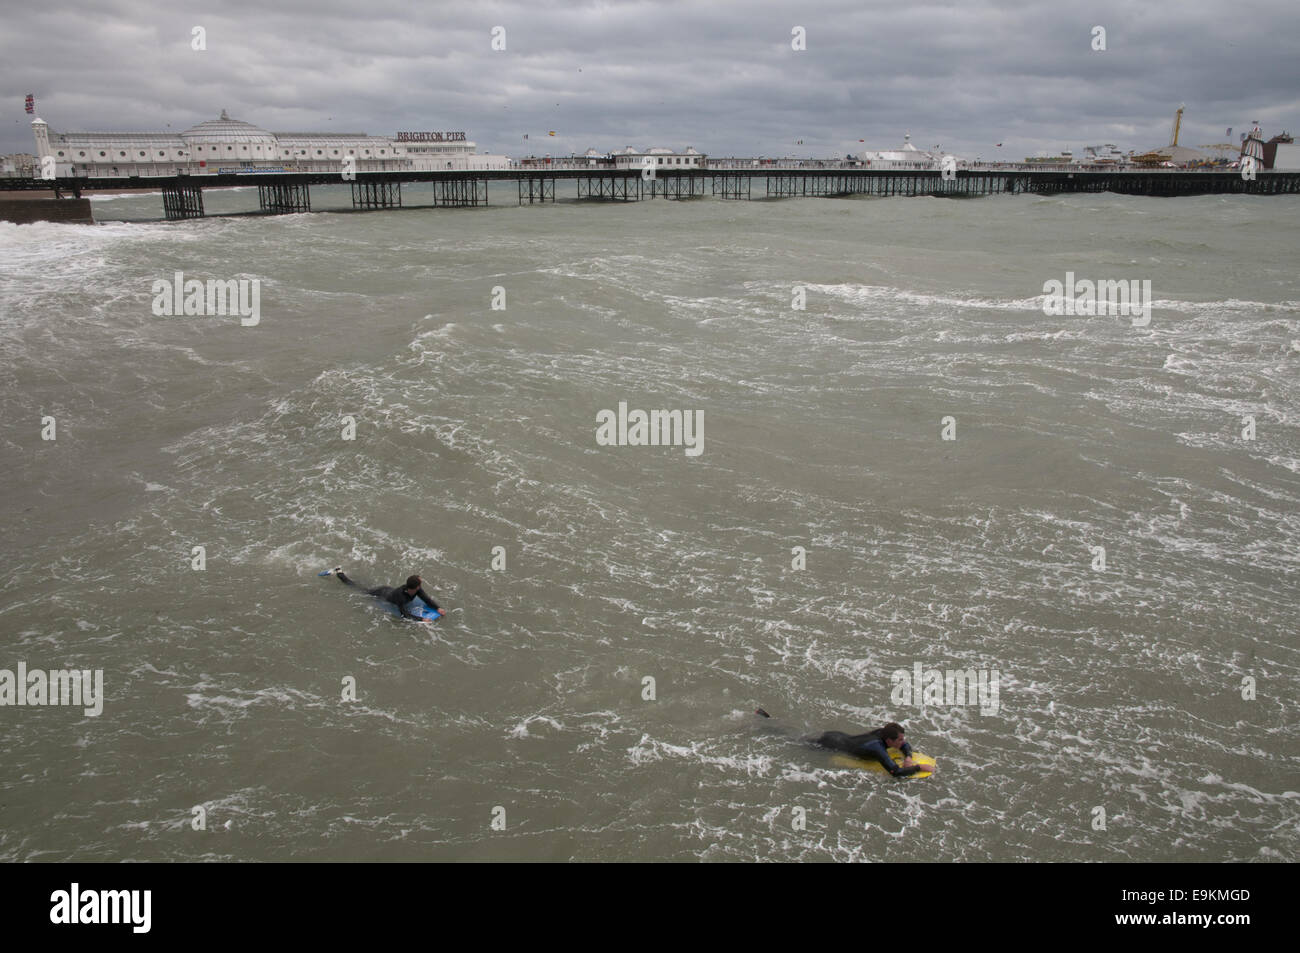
column 290, row 192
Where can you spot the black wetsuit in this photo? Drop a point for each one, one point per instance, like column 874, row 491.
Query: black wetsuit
column 869, row 747
column 396, row 595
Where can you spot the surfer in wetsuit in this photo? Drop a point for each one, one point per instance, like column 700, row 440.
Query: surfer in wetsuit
column 398, row 596
column 871, row 746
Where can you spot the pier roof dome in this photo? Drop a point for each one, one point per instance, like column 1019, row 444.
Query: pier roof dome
column 226, row 129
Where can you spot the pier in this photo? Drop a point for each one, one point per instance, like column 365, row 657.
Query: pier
column 288, row 192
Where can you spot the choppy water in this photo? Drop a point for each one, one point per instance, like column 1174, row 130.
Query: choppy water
column 1119, row 689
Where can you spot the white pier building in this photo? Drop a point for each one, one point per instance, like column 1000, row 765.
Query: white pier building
column 230, row 145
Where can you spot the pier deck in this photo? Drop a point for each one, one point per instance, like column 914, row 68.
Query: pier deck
column 284, row 192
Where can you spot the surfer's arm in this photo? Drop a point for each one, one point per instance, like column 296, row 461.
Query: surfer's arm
column 877, row 751
column 908, row 754
column 427, row 601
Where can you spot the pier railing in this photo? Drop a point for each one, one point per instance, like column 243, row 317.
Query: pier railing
column 605, row 164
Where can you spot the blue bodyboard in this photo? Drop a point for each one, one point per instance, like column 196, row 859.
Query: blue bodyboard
column 416, row 607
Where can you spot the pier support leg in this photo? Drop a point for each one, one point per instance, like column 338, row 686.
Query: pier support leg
column 619, row 188
column 536, row 189
column 376, row 194
column 459, row 193
column 681, row 186
column 732, row 186
column 182, row 201
column 283, row 199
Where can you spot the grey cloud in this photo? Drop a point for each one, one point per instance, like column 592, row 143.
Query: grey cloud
column 719, row 76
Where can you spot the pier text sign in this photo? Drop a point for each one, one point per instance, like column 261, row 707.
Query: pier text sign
column 431, row 137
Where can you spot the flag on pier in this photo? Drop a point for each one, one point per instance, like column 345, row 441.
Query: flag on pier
column 31, row 104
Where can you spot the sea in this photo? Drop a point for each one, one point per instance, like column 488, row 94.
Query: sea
column 898, row 475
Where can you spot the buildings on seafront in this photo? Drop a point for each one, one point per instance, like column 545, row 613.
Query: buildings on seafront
column 231, row 145
column 628, row 158
column 1280, row 152
column 906, row 156
column 19, row 164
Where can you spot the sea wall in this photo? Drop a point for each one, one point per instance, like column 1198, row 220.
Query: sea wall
column 26, row 211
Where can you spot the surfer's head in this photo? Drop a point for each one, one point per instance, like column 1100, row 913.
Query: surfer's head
column 892, row 734
column 413, row 583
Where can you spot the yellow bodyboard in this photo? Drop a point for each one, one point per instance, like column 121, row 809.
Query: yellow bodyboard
column 848, row 761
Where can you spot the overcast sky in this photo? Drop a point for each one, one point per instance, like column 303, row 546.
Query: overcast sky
column 719, row 76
